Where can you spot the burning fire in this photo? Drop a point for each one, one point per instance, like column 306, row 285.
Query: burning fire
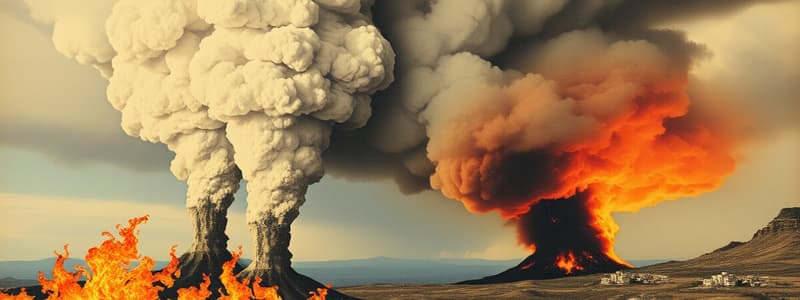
column 110, row 276
column 567, row 262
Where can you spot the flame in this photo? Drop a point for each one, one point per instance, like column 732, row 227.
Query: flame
column 110, row 277
column 196, row 292
column 568, row 263
column 23, row 295
column 320, row 294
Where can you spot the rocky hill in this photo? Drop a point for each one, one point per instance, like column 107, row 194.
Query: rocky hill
column 773, row 250
column 788, row 220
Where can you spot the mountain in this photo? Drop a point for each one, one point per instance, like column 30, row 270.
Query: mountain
column 773, row 250
column 9, row 282
column 28, row 269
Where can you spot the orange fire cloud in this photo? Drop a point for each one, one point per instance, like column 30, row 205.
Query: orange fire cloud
column 619, row 131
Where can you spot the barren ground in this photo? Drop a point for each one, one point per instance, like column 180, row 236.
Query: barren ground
column 584, row 287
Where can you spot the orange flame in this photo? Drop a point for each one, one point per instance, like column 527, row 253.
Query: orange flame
column 23, row 295
column 196, row 292
column 110, row 277
column 568, row 263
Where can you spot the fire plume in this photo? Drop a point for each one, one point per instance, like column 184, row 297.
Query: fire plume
column 110, row 275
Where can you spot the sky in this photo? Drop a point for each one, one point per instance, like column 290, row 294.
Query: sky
column 68, row 172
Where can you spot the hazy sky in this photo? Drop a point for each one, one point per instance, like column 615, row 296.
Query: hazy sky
column 67, row 171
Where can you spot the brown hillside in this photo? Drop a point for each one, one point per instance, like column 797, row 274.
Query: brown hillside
column 773, row 250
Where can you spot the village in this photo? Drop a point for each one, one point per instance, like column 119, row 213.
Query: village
column 726, row 279
column 723, row 279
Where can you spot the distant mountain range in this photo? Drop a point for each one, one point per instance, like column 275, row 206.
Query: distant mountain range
column 338, row 273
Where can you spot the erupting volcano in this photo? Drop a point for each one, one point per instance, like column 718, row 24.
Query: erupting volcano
column 567, row 239
column 556, row 153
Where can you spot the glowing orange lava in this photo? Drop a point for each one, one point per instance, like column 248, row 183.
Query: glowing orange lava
column 526, row 266
column 568, row 263
column 110, row 276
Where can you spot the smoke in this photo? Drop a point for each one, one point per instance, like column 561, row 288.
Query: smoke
column 281, row 90
column 78, row 29
column 499, row 104
column 236, row 89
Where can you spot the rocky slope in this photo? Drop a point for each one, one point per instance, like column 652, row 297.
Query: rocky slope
column 773, row 250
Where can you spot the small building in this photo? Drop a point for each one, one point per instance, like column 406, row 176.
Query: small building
column 622, row 278
column 723, row 279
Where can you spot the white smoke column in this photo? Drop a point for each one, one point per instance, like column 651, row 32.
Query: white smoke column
column 273, row 77
column 281, row 74
column 281, row 78
column 155, row 41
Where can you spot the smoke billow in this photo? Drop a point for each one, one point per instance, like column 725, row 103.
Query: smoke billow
column 515, row 103
column 255, row 86
column 567, row 110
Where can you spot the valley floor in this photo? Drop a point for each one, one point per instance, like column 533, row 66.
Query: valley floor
column 584, row 287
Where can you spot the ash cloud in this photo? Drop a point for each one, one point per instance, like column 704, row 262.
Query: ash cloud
column 519, row 30
column 513, row 104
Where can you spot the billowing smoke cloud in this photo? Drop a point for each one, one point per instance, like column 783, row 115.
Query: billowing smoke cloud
column 504, row 104
column 599, row 117
column 255, row 86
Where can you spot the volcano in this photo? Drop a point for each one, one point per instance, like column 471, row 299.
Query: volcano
column 540, row 266
column 569, row 237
